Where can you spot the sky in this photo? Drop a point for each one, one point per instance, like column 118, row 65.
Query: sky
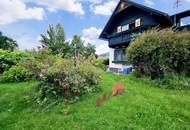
column 25, row 20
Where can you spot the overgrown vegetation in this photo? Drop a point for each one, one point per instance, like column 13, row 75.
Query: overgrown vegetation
column 159, row 53
column 16, row 73
column 64, row 70
column 7, row 43
column 102, row 63
column 55, row 41
column 10, row 58
column 60, row 77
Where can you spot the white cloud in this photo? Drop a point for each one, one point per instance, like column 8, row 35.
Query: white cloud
column 105, row 8
column 103, row 48
column 14, row 10
column 149, row 2
column 91, row 32
column 92, row 1
column 91, row 35
column 27, row 41
column 73, row 6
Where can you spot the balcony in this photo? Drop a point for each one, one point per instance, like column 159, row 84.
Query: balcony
column 119, row 39
column 124, row 38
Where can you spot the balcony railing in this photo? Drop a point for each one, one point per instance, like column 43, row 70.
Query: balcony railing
column 125, row 37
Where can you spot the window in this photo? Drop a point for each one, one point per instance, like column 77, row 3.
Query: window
column 119, row 29
column 125, row 27
column 132, row 25
column 137, row 22
column 119, row 54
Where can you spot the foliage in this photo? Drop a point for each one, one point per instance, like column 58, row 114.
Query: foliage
column 59, row 78
column 55, row 40
column 102, row 63
column 142, row 106
column 159, row 52
column 82, row 51
column 39, row 61
column 8, row 59
column 16, row 73
column 67, row 81
column 7, row 43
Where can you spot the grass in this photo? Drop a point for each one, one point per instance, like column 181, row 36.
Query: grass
column 141, row 107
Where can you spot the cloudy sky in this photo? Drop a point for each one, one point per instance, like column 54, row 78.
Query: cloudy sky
column 25, row 20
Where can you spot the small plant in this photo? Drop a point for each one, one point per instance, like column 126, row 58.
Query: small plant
column 102, row 63
column 10, row 58
column 16, row 73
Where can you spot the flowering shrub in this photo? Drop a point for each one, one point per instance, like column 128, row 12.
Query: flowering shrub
column 59, row 78
column 68, row 81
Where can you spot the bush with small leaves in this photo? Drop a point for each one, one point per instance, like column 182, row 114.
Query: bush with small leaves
column 60, row 78
column 10, row 58
column 158, row 52
column 16, row 73
column 102, row 63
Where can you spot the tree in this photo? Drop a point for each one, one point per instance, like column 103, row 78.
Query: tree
column 82, row 50
column 90, row 50
column 55, row 39
column 7, row 43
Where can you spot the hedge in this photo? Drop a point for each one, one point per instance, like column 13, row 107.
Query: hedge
column 160, row 51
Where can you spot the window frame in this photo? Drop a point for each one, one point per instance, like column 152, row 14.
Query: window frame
column 116, row 58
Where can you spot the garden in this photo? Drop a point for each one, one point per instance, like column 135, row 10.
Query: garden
column 56, row 86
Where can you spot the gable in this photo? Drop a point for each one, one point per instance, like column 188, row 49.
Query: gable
column 125, row 5
column 122, row 6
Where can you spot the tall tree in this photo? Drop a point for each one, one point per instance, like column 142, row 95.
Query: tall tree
column 7, row 43
column 82, row 50
column 55, row 39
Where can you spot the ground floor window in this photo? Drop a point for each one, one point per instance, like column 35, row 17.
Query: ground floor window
column 119, row 54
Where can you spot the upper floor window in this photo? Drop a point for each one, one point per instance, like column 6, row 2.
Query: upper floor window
column 125, row 27
column 138, row 22
column 119, row 29
column 132, row 25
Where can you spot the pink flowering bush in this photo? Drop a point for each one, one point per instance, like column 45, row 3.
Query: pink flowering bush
column 69, row 81
column 60, row 78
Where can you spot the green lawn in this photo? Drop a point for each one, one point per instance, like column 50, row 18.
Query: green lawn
column 141, row 107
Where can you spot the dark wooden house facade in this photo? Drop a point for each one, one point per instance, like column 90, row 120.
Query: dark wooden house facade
column 129, row 19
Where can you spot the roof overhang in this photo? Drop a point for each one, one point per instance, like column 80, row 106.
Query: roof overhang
column 130, row 3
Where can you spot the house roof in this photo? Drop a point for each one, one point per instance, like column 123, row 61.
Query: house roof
column 181, row 14
column 103, row 35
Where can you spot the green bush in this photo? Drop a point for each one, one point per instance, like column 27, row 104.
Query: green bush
column 68, row 82
column 59, row 78
column 16, row 73
column 170, row 81
column 10, row 58
column 156, row 53
column 39, row 61
column 102, row 63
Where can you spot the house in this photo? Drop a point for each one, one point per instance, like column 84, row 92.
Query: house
column 128, row 20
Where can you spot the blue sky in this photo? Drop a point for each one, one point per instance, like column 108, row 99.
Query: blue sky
column 25, row 20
